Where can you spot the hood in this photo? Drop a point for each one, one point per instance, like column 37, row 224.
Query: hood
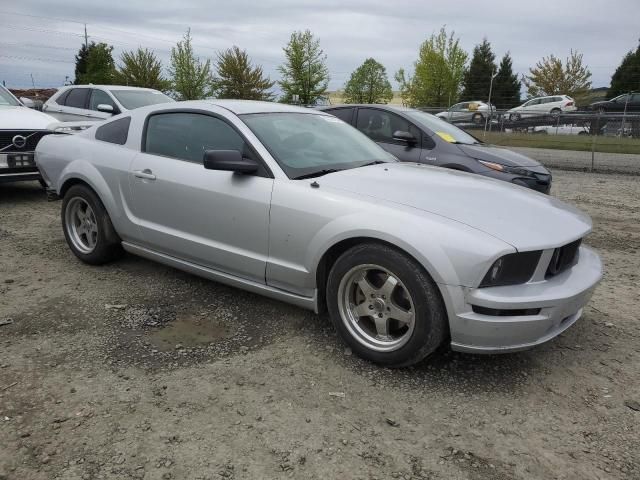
column 490, row 153
column 23, row 118
column 519, row 216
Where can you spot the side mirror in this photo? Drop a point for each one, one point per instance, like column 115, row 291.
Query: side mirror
column 404, row 137
column 103, row 107
column 229, row 161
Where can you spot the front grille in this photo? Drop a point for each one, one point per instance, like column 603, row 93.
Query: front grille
column 32, row 139
column 563, row 258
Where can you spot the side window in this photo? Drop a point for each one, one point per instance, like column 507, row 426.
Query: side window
column 635, row 98
column 459, row 107
column 61, row 99
column 187, row 136
column 77, row 98
column 379, row 125
column 344, row 114
column 114, row 132
column 98, row 97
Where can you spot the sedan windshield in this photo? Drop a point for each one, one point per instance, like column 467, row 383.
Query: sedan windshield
column 6, row 99
column 306, row 144
column 444, row 130
column 131, row 99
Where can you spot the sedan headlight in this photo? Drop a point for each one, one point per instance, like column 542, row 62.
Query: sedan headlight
column 512, row 269
column 523, row 172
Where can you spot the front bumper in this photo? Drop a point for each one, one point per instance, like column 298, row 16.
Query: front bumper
column 560, row 300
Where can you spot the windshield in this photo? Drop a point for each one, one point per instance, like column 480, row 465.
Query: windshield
column 443, row 129
column 7, row 99
column 304, row 143
column 131, row 99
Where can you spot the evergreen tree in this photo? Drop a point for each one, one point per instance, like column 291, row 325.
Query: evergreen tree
column 238, row 78
column 506, row 85
column 438, row 73
column 191, row 79
column 100, row 67
column 626, row 78
column 141, row 68
column 477, row 78
column 305, row 71
column 81, row 61
column 368, row 84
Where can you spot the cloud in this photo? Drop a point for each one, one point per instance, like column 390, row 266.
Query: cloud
column 349, row 30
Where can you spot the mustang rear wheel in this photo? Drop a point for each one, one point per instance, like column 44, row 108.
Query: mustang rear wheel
column 87, row 227
column 385, row 306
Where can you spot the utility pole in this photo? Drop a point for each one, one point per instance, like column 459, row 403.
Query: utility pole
column 489, row 117
column 86, row 37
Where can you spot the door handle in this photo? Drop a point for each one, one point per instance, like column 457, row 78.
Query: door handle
column 146, row 174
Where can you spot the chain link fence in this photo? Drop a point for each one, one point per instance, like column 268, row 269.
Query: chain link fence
column 596, row 141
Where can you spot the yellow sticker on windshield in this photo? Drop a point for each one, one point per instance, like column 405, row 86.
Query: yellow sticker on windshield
column 446, row 137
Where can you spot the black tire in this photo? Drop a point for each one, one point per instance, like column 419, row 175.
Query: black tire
column 107, row 244
column 430, row 320
column 477, row 118
column 556, row 112
column 514, row 117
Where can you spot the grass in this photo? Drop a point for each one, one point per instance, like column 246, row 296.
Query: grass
column 563, row 142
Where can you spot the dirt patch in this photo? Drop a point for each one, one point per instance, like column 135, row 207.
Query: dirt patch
column 136, row 370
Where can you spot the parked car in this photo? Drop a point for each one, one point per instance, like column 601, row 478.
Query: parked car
column 98, row 102
column 562, row 130
column 294, row 204
column 552, row 105
column 20, row 130
column 415, row 136
column 467, row 112
column 630, row 101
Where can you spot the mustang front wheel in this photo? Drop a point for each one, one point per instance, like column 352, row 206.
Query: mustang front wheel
column 385, row 306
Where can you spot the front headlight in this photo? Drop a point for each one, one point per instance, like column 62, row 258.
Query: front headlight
column 521, row 171
column 512, row 269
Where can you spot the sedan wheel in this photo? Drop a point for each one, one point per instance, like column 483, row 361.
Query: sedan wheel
column 477, row 118
column 87, row 227
column 376, row 307
column 385, row 305
column 81, row 225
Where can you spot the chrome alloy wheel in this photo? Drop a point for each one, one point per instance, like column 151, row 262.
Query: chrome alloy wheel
column 376, row 308
column 81, row 225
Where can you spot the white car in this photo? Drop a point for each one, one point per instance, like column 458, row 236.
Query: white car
column 20, row 130
column 475, row 111
column 99, row 102
column 562, row 130
column 553, row 105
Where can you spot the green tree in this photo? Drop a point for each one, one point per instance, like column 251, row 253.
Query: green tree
column 551, row 77
column 626, row 78
column 81, row 61
column 506, row 85
column 141, row 68
column 438, row 72
column 100, row 67
column 304, row 72
column 238, row 78
column 368, row 84
column 477, row 77
column 191, row 78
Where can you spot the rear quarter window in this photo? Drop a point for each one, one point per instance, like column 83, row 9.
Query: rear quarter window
column 115, row 132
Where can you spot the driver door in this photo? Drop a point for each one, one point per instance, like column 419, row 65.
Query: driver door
column 379, row 126
column 216, row 219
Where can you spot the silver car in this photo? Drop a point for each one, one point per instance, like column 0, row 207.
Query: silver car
column 297, row 205
column 468, row 112
column 94, row 103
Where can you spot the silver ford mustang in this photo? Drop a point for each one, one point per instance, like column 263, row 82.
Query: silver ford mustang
column 295, row 204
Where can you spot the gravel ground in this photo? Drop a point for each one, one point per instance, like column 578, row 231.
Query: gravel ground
column 574, row 160
column 136, row 370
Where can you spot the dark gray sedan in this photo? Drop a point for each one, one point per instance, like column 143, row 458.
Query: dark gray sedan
column 415, row 136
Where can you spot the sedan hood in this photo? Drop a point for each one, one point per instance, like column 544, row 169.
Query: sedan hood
column 490, row 153
column 23, row 118
column 521, row 217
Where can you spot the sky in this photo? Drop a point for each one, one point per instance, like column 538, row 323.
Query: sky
column 40, row 38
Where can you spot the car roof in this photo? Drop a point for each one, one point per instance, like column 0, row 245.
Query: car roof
column 391, row 108
column 108, row 87
column 240, row 107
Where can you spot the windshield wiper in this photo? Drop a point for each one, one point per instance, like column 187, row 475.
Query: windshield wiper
column 317, row 173
column 375, row 162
